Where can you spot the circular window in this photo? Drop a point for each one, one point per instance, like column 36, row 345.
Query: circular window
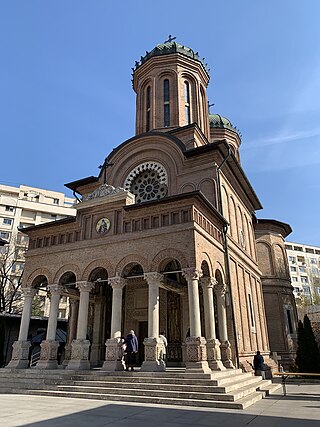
column 147, row 182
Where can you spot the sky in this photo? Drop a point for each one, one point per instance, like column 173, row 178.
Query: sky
column 66, row 98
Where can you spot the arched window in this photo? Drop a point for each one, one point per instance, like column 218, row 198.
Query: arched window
column 148, row 108
column 187, row 107
column 166, row 103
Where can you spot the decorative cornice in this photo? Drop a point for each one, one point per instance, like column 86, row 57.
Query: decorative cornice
column 104, row 190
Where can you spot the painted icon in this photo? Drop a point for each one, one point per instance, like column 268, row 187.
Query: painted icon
column 103, row 225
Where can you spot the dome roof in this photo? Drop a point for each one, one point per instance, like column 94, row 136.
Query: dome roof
column 170, row 47
column 217, row 121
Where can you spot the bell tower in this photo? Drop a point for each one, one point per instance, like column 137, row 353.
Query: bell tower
column 170, row 82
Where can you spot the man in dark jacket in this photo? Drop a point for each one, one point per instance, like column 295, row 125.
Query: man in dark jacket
column 131, row 342
column 258, row 364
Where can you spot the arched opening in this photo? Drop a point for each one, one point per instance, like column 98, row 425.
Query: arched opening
column 166, row 103
column 99, row 320
column 172, row 319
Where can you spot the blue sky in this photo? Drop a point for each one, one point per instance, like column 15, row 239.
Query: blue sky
column 66, row 98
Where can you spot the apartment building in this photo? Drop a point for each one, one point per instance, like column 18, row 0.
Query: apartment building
column 21, row 207
column 304, row 265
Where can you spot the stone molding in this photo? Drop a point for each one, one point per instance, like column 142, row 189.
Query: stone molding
column 103, row 191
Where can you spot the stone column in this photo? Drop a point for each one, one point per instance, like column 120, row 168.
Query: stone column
column 80, row 346
column 153, row 344
column 72, row 328
column 49, row 347
column 196, row 357
column 20, row 352
column 225, row 346
column 114, row 360
column 96, row 346
column 213, row 344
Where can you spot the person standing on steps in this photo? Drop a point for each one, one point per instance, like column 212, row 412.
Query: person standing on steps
column 162, row 336
column 131, row 342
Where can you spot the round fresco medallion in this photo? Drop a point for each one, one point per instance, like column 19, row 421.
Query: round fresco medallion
column 103, row 225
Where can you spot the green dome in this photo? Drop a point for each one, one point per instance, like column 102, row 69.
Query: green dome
column 168, row 48
column 217, row 121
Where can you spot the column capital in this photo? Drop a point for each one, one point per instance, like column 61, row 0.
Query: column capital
column 153, row 278
column 117, row 282
column 191, row 273
column 220, row 288
column 55, row 289
column 84, row 286
column 29, row 292
column 208, row 282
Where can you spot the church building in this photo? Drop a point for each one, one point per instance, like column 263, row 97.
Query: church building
column 165, row 239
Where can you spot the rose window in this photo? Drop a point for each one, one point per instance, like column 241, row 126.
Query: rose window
column 147, row 181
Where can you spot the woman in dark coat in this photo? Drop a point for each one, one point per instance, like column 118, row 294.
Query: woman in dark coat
column 131, row 343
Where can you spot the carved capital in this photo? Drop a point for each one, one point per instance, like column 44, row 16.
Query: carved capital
column 84, row 286
column 29, row 292
column 153, row 278
column 220, row 289
column 117, row 282
column 55, row 289
column 208, row 282
column 191, row 273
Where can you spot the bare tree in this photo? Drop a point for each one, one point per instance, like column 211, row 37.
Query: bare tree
column 12, row 257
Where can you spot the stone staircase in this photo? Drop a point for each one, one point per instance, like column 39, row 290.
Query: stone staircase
column 228, row 389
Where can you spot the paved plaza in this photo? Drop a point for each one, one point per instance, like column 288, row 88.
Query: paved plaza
column 300, row 408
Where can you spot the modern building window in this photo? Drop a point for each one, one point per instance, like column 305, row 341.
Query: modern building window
column 9, row 209
column 293, row 268
column 55, row 201
column 313, row 261
column 301, row 259
column 7, row 221
column 314, row 270
column 297, row 248
column 306, row 289
column 292, row 259
column 304, row 279
column 294, row 279
column 187, row 106
column 166, row 102
column 317, row 290
column 53, row 216
column 289, row 247
column 148, row 107
column 302, row 269
column 4, row 235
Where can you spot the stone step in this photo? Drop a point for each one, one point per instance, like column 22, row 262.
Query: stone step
column 240, row 404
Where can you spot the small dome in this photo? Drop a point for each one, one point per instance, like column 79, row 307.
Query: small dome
column 168, row 48
column 217, row 121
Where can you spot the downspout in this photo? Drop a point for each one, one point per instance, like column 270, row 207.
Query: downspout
column 227, row 260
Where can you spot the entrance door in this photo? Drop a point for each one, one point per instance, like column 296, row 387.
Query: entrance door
column 142, row 334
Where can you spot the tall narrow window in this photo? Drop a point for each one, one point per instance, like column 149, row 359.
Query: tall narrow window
column 187, row 102
column 148, row 107
column 251, row 310
column 289, row 321
column 166, row 103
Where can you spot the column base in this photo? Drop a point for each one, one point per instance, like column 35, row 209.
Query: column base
column 197, row 355
column 114, row 357
column 153, row 355
column 79, row 356
column 226, row 354
column 214, row 355
column 67, row 355
column 48, row 355
column 20, row 355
